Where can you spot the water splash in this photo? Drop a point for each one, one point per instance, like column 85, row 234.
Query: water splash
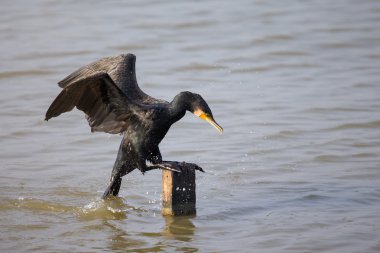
column 113, row 208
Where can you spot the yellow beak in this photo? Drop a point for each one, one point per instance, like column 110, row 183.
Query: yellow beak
column 210, row 120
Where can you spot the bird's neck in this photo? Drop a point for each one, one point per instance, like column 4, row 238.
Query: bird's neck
column 178, row 107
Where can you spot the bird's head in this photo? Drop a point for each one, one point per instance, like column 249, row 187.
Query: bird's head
column 198, row 106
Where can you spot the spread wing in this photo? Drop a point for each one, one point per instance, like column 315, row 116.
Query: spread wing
column 106, row 107
column 122, row 71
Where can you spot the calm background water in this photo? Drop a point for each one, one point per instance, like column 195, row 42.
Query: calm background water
column 295, row 84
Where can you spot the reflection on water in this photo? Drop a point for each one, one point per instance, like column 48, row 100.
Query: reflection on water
column 117, row 237
column 104, row 216
column 179, row 228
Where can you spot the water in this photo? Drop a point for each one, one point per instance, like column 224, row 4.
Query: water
column 295, row 84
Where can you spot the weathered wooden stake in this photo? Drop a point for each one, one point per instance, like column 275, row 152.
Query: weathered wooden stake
column 178, row 190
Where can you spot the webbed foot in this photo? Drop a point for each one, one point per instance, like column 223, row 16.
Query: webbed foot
column 164, row 166
column 196, row 167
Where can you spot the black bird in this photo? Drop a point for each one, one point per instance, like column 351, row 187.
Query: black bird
column 108, row 93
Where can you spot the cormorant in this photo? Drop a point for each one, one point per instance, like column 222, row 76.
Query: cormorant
column 108, row 93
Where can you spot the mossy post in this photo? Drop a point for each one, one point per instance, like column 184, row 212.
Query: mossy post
column 178, row 190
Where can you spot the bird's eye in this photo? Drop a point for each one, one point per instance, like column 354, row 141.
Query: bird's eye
column 207, row 115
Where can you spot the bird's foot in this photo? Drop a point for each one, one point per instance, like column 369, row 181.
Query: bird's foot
column 163, row 166
column 194, row 166
column 172, row 166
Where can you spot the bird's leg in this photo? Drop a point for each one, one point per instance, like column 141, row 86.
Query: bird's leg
column 119, row 170
column 155, row 158
column 113, row 187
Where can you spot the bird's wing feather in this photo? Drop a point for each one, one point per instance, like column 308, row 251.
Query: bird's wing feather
column 106, row 107
column 121, row 69
column 103, row 65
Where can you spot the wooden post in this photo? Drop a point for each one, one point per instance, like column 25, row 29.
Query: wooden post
column 178, row 190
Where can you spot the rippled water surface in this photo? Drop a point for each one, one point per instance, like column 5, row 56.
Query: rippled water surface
column 295, row 84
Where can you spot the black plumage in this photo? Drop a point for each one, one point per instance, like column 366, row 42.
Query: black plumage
column 108, row 93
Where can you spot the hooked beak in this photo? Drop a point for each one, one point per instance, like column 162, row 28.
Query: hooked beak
column 205, row 116
column 214, row 124
column 211, row 120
